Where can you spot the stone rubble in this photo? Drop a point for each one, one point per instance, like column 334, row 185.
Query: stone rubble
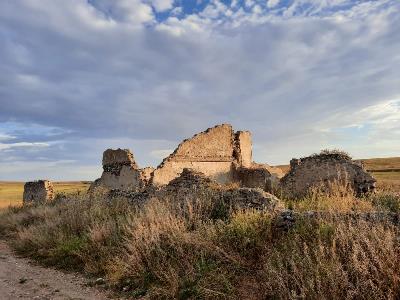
column 321, row 171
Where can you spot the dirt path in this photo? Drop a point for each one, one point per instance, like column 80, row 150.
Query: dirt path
column 21, row 279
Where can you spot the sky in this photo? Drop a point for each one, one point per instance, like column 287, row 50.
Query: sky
column 80, row 76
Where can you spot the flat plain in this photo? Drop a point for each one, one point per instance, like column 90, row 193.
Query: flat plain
column 11, row 192
column 385, row 170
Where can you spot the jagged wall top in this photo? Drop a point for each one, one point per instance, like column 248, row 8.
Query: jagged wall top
column 213, row 144
column 118, row 156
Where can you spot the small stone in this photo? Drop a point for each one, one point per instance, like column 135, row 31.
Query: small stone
column 22, row 280
column 100, row 281
column 125, row 288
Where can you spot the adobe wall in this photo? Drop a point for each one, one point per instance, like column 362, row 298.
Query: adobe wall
column 244, row 148
column 322, row 170
column 214, row 152
column 219, row 153
column 120, row 171
column 40, row 191
column 260, row 176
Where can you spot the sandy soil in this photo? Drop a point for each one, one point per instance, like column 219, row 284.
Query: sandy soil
column 22, row 279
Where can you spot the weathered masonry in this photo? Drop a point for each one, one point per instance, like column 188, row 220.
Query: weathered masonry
column 320, row 171
column 225, row 157
column 219, row 153
column 38, row 192
column 121, row 172
column 216, row 153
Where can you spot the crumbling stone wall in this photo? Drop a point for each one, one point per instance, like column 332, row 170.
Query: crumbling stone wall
column 321, row 171
column 243, row 148
column 115, row 160
column 260, row 176
column 192, row 185
column 215, row 152
column 121, row 172
column 219, row 153
column 40, row 191
column 146, row 175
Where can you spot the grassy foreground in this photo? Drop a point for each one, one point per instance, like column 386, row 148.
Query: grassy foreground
column 11, row 192
column 168, row 249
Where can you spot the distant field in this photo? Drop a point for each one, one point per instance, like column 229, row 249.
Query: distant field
column 385, row 170
column 382, row 164
column 11, row 192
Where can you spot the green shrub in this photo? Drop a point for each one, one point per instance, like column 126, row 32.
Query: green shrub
column 387, row 201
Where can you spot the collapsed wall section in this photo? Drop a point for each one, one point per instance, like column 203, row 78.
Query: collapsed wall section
column 243, row 151
column 320, row 171
column 40, row 191
column 260, row 176
column 120, row 171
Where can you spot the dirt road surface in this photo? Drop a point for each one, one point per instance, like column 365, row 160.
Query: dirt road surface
column 22, row 279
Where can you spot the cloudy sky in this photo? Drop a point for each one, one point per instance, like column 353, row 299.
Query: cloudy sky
column 80, row 76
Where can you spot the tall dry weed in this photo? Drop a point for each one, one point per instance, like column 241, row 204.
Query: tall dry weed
column 337, row 197
column 169, row 249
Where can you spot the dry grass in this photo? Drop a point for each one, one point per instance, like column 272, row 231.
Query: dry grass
column 388, row 181
column 197, row 249
column 170, row 250
column 339, row 199
column 11, row 192
column 382, row 163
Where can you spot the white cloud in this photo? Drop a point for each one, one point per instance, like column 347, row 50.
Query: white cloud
column 257, row 9
column 249, row 3
column 134, row 12
column 108, row 74
column 272, row 3
column 162, row 5
column 177, row 11
column 22, row 145
column 5, row 137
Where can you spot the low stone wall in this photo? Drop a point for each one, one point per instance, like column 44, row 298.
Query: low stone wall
column 260, row 176
column 40, row 191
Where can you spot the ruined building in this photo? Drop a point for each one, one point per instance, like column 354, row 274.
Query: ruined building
column 220, row 153
column 38, row 192
column 121, row 172
column 216, row 152
column 225, row 156
column 320, row 171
